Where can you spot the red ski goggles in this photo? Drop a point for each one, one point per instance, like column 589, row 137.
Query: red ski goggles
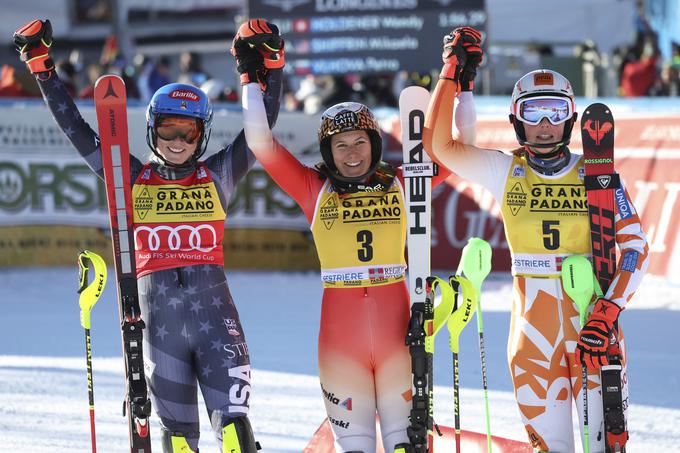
column 170, row 127
column 532, row 110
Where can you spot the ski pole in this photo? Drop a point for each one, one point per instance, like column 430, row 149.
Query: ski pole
column 459, row 318
column 475, row 265
column 441, row 314
column 89, row 295
column 579, row 284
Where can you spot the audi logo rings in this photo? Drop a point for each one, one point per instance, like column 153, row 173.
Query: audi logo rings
column 174, row 238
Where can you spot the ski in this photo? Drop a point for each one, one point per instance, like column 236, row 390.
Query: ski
column 110, row 103
column 602, row 187
column 418, row 170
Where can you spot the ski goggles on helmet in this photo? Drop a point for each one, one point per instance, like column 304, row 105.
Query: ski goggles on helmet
column 185, row 127
column 533, row 109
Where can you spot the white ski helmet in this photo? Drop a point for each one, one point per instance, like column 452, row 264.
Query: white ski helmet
column 543, row 84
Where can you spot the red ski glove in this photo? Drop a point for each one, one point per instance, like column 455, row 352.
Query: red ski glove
column 33, row 41
column 258, row 47
column 594, row 337
column 457, row 45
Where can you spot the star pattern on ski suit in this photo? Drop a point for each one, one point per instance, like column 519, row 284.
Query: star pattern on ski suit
column 161, row 288
column 206, row 370
column 196, row 306
column 205, row 327
column 161, row 332
column 174, row 302
column 216, row 345
column 217, row 302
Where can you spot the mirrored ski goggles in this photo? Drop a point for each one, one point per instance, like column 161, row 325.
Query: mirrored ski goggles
column 533, row 110
column 170, row 127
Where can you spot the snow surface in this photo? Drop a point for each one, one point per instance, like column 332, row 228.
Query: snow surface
column 43, row 389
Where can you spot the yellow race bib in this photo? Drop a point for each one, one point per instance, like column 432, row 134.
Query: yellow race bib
column 545, row 217
column 360, row 237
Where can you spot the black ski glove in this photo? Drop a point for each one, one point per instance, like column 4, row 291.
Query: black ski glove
column 258, row 47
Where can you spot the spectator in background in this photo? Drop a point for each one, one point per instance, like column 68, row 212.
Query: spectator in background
column 191, row 70
column 343, row 89
column 669, row 82
column 639, row 72
column 378, row 90
column 10, row 85
column 218, row 91
column 67, row 74
column 160, row 74
column 405, row 79
column 590, row 63
column 151, row 74
column 94, row 71
column 313, row 91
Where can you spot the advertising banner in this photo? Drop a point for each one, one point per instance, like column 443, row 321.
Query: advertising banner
column 52, row 205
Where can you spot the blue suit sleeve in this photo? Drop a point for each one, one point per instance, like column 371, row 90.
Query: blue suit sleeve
column 66, row 114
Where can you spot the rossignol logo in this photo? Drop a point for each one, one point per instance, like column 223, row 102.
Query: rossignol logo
column 184, row 94
column 602, row 160
column 604, row 180
column 596, row 130
column 344, row 119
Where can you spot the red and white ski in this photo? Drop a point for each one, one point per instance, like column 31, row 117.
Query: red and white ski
column 602, row 182
column 111, row 105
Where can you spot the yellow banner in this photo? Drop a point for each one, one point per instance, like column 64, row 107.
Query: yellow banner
column 59, row 245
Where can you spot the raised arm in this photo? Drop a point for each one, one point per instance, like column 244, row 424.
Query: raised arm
column 235, row 160
column 299, row 181
column 33, row 42
column 455, row 151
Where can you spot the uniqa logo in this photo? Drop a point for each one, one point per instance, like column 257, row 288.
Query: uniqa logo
column 174, row 238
